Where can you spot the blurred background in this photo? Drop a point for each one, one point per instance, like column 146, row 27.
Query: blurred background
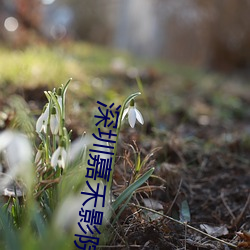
column 212, row 34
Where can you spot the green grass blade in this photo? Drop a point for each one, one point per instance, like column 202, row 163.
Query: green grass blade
column 39, row 223
column 128, row 191
column 122, row 209
column 10, row 236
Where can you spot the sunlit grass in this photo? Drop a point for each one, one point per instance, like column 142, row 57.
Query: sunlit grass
column 90, row 66
column 37, row 65
column 52, row 64
column 41, row 64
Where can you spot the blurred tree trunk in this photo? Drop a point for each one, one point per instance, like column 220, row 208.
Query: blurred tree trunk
column 28, row 13
column 229, row 34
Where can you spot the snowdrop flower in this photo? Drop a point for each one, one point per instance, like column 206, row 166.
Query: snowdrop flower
column 78, row 148
column 17, row 148
column 42, row 122
column 54, row 121
column 133, row 114
column 59, row 97
column 17, row 152
column 59, row 157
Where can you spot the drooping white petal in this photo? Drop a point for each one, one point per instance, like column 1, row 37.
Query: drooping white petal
column 19, row 151
column 54, row 124
column 59, row 99
column 133, row 114
column 59, row 157
column 55, row 156
column 44, row 127
column 5, row 139
column 42, row 121
column 66, row 216
column 139, row 116
column 38, row 156
column 61, row 163
column 63, row 159
column 132, row 117
column 39, row 123
column 18, row 156
column 78, row 148
column 124, row 113
column 46, row 112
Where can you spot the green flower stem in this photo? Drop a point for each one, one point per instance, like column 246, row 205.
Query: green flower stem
column 53, row 142
column 47, row 137
column 65, row 87
column 117, row 137
column 66, row 137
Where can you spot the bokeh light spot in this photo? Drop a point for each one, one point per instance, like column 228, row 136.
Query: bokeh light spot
column 47, row 2
column 58, row 31
column 11, row 24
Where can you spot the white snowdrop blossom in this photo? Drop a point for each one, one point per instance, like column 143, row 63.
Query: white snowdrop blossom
column 59, row 99
column 42, row 122
column 133, row 114
column 17, row 148
column 54, row 121
column 17, row 151
column 59, row 157
column 78, row 148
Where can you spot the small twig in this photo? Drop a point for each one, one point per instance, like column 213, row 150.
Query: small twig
column 117, row 233
column 227, row 207
column 119, row 246
column 149, row 188
column 183, row 224
column 185, row 242
column 237, row 220
column 173, row 202
column 49, row 185
column 57, row 180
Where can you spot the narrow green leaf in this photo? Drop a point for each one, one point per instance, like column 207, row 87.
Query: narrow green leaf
column 39, row 222
column 122, row 209
column 10, row 236
column 65, row 87
column 128, row 191
column 138, row 163
column 185, row 212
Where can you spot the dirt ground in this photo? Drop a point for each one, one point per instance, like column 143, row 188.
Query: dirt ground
column 202, row 171
column 216, row 187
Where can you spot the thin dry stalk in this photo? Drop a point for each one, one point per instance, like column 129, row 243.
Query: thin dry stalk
column 184, row 224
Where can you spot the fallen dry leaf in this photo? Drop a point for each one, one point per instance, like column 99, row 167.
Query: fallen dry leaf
column 215, row 231
column 245, row 236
